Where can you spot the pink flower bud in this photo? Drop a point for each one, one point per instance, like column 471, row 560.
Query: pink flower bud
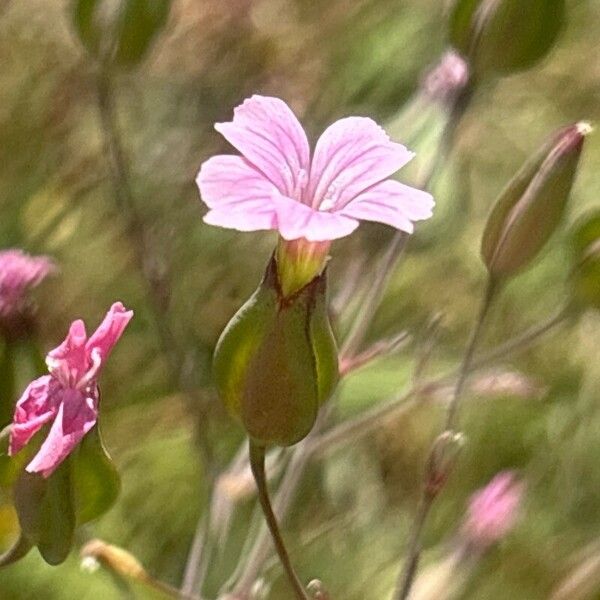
column 19, row 273
column 493, row 511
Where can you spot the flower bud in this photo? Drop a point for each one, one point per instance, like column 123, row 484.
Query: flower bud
column 276, row 361
column 504, row 36
column 585, row 276
column 120, row 33
column 442, row 460
column 531, row 206
column 493, row 511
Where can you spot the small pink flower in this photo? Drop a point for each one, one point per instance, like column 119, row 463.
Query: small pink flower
column 69, row 395
column 20, row 272
column 276, row 184
column 493, row 510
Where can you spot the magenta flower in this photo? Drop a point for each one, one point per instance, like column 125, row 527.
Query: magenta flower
column 493, row 510
column 20, row 272
column 276, row 184
column 69, row 395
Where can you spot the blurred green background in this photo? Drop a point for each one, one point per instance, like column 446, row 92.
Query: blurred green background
column 538, row 412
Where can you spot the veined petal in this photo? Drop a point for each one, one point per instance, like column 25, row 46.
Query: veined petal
column 392, row 203
column 108, row 333
column 68, row 362
column 352, row 154
column 76, row 415
column 269, row 135
column 251, row 214
column 230, row 180
column 296, row 220
column 38, row 405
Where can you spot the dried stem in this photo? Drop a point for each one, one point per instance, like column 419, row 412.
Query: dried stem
column 257, row 463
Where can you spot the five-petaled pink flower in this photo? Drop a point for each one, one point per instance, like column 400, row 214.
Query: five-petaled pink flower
column 276, row 184
column 69, row 395
column 19, row 272
column 493, row 510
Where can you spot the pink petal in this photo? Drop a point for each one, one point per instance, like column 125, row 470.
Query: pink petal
column 249, row 215
column 268, row 134
column 392, row 203
column 76, row 416
column 296, row 220
column 230, row 180
column 38, row 405
column 352, row 155
column 109, row 331
column 68, row 362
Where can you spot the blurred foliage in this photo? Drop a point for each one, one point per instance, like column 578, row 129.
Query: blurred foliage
column 348, row 525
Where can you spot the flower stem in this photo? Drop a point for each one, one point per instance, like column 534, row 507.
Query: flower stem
column 413, row 553
column 257, row 464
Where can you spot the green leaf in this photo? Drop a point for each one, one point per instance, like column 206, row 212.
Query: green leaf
column 94, row 478
column 46, row 513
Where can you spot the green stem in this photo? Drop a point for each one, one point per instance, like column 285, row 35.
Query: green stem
column 257, row 464
column 454, row 405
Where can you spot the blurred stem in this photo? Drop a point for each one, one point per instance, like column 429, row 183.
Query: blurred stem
column 375, row 292
column 366, row 422
column 454, row 405
column 158, row 293
column 413, row 553
column 257, row 464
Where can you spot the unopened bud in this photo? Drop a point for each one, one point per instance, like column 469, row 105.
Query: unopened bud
column 493, row 511
column 119, row 33
column 442, row 460
column 447, row 79
column 317, row 591
column 276, row 361
column 503, row 36
column 115, row 559
column 531, row 207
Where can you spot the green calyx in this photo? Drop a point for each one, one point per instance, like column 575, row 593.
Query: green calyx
column 49, row 509
column 276, row 361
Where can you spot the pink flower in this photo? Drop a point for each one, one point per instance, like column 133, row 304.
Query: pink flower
column 69, row 395
column 276, row 184
column 493, row 510
column 20, row 272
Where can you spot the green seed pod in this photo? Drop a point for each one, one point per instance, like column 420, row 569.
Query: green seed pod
column 585, row 276
column 276, row 361
column 531, row 206
column 504, row 36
